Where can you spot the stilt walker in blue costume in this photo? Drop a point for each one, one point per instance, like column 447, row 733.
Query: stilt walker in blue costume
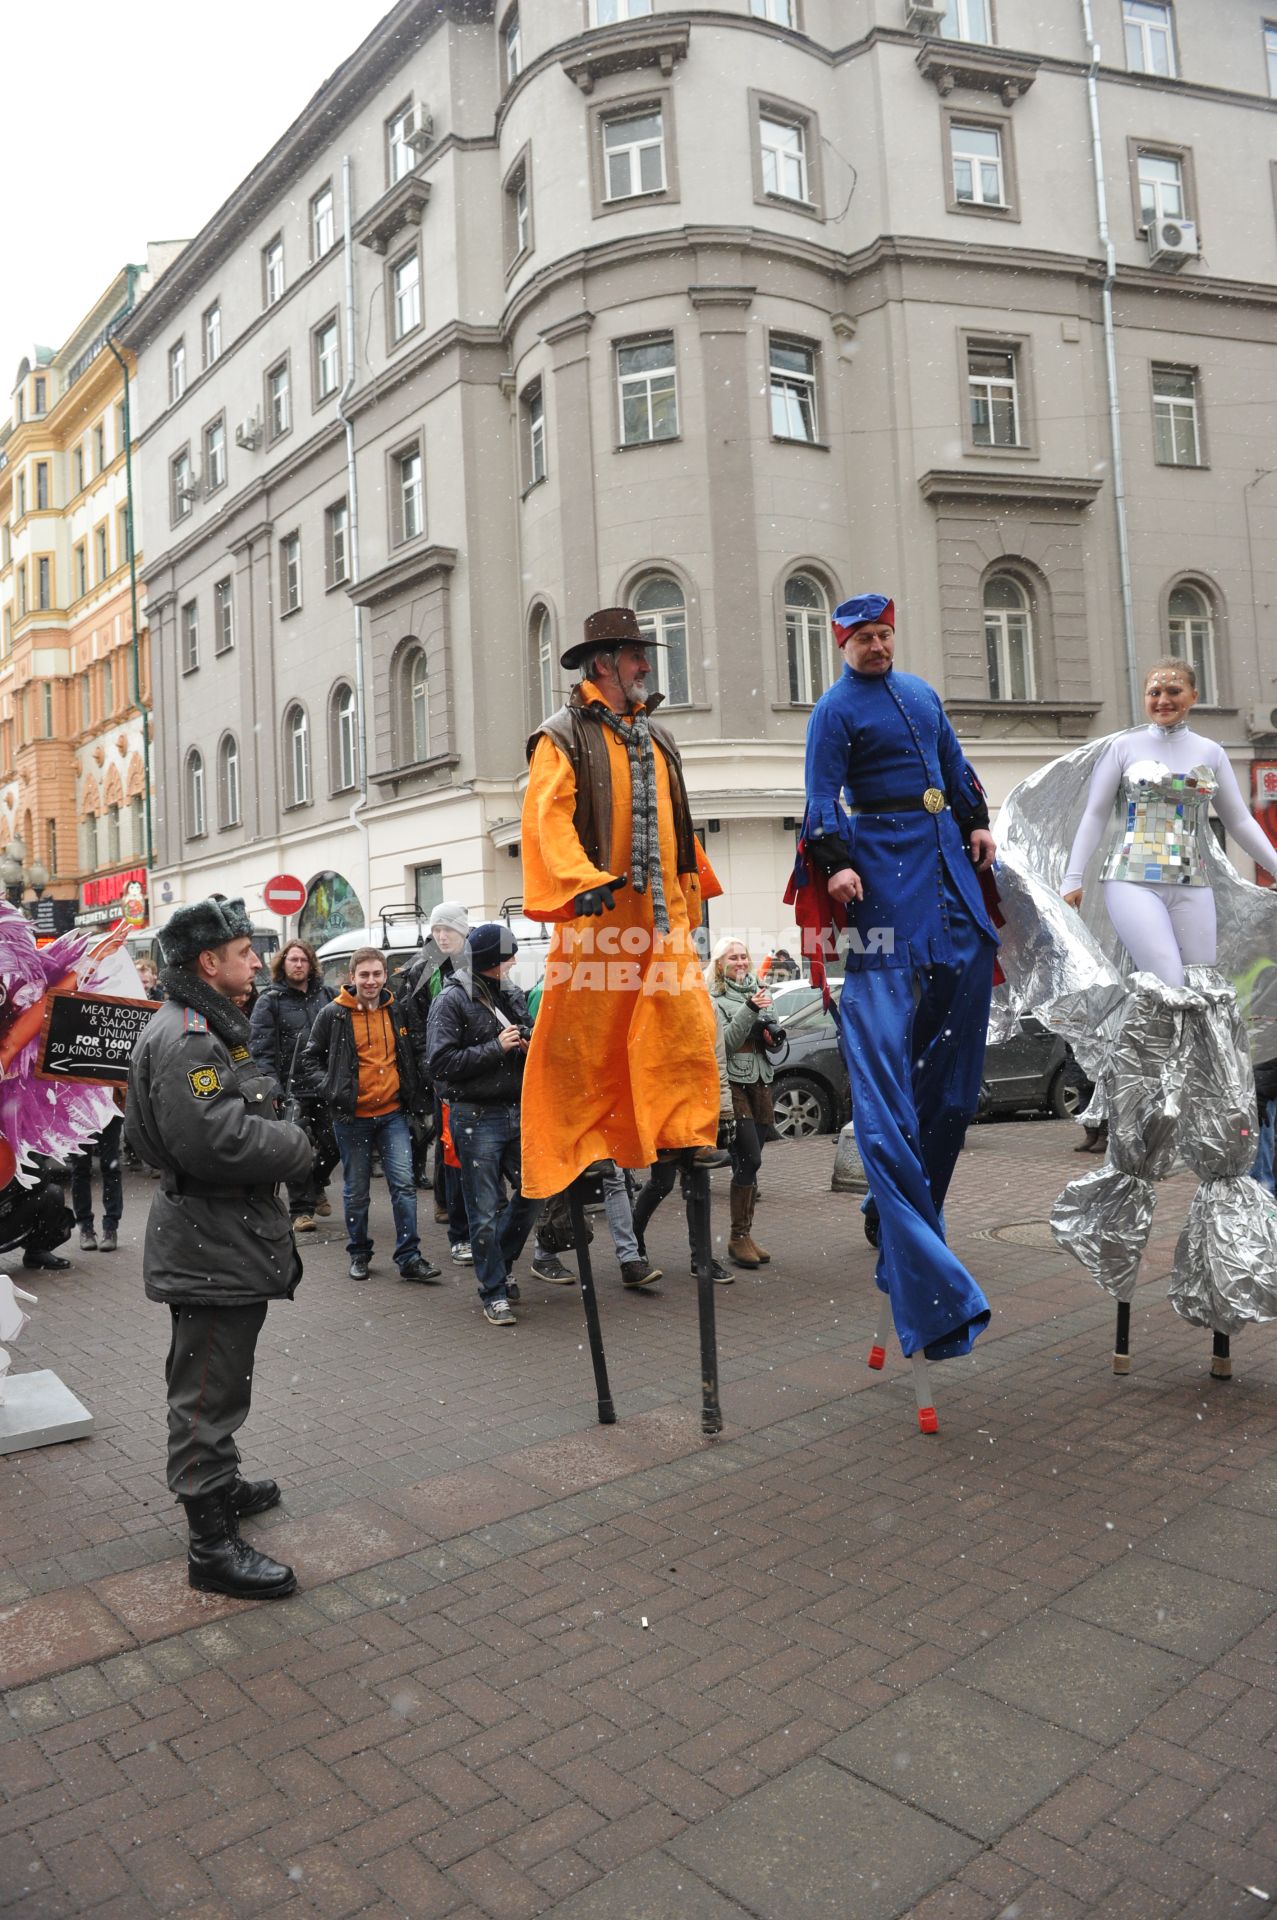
column 896, row 833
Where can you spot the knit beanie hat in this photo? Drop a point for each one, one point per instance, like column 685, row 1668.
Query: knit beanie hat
column 450, row 913
column 489, row 944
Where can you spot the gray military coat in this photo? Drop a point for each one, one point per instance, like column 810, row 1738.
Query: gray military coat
column 202, row 1111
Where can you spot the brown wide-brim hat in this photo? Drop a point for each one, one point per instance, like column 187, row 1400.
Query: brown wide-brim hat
column 609, row 627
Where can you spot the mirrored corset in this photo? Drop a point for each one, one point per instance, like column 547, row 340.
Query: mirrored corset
column 1161, row 842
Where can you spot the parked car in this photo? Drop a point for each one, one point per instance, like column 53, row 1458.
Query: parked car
column 1034, row 1071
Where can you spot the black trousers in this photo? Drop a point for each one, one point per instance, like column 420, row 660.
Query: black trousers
column 304, row 1195
column 209, row 1376
column 107, row 1149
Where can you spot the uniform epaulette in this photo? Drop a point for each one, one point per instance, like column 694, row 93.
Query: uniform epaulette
column 193, row 1022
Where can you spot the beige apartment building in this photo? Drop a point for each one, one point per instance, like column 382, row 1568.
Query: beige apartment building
column 726, row 312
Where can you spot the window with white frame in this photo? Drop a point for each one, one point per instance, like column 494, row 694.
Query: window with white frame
column 196, row 821
column 81, row 558
column 296, row 756
column 1161, row 187
column 212, row 333
column 77, row 470
column 781, row 13
column 634, row 154
column 1175, row 436
column 543, row 663
column 323, row 223
column 414, row 707
column 808, row 645
column 229, row 808
column 137, row 827
column 223, row 615
column 278, row 401
column 410, row 494
column 337, row 543
column 976, row 153
column 401, row 158
column 405, row 295
column 993, row 396
column 966, row 20
column 1008, row 638
column 512, row 46
column 647, row 386
column 43, row 577
column 533, row 408
column 610, row 13
column 1191, row 636
column 1270, row 54
column 176, row 370
column 1150, row 38
column 662, row 617
column 343, row 739
column 215, row 454
column 290, row 572
column 181, row 485
column 42, row 486
column 784, row 156
column 273, row 271
column 521, row 213
column 190, row 620
column 327, row 358
column 102, row 550
column 792, row 376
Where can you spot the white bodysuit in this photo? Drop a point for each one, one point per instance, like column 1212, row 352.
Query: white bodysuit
column 1156, row 888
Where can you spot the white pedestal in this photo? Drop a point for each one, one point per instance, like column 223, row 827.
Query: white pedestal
column 38, row 1410
column 849, row 1170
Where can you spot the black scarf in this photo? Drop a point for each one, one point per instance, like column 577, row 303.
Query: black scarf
column 223, row 1016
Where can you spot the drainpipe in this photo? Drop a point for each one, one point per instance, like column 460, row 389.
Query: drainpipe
column 1110, row 367
column 359, row 807
column 135, row 647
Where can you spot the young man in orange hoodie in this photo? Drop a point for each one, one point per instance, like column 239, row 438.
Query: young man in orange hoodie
column 360, row 1053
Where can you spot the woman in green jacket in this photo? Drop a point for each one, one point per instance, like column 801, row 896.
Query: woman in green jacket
column 740, row 1004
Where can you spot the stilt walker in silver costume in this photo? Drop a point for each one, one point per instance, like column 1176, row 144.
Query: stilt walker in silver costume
column 1168, row 1043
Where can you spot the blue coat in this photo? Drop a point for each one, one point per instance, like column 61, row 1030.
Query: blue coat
column 886, row 736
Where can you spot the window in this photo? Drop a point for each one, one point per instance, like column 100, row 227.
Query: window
column 327, row 358
column 81, row 560
column 532, row 407
column 190, row 635
column 405, row 295
column 610, row 13
column 41, row 394
column 43, row 589
column 410, row 498
column 273, row 271
column 176, row 370
column 296, row 757
column 212, row 333
column 1175, row 436
column 121, row 428
column 648, row 391
column 1160, row 187
column 290, row 572
column 783, row 145
column 137, row 827
column 781, row 13
column 337, row 543
column 22, row 495
column 662, row 616
column 1150, row 44
column 196, row 824
column 414, row 707
column 1008, row 638
column 102, row 553
column 223, row 615
column 634, row 155
column 966, row 20
column 543, row 663
column 323, row 225
column 99, row 448
column 807, row 638
column 86, row 703
column 181, row 485
column 278, row 401
column 792, row 372
column 46, row 709
column 343, row 740
column 1270, row 54
column 428, row 886
column 22, row 590
column 42, row 486
column 229, row 810
column 1191, row 636
column 113, row 834
column 401, row 158
column 518, row 210
column 512, row 46
column 77, row 469
column 993, row 396
column 215, row 454
column 123, row 547
column 108, row 687
column 976, row 158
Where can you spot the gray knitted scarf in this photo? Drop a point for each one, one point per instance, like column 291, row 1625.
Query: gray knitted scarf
column 645, row 845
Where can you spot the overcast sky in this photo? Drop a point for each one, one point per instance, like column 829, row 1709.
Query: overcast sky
column 129, row 124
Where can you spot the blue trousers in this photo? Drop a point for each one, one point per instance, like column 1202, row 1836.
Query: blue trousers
column 487, row 1145
column 356, row 1138
column 913, row 1042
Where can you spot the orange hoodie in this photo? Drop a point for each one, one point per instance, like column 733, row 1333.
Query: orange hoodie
column 374, row 1032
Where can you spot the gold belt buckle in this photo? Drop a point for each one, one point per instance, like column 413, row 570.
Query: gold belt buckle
column 933, row 800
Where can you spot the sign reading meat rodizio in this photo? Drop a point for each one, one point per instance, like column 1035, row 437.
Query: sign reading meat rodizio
column 115, row 896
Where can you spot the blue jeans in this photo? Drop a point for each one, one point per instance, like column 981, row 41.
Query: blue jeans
column 1263, row 1167
column 356, row 1139
column 487, row 1144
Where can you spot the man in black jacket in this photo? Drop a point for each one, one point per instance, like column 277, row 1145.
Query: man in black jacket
column 421, row 983
column 281, row 1020
column 477, row 1040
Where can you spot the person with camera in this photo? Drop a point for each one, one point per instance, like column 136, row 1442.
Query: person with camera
column 421, row 983
column 742, row 1007
column 280, row 1026
column 476, row 1045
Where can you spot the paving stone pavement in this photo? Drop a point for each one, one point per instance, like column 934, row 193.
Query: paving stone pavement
column 819, row 1666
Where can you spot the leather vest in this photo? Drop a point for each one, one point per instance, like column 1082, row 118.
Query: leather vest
column 581, row 740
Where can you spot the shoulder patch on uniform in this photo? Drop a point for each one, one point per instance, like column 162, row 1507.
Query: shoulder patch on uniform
column 193, row 1022
column 205, row 1082
column 239, row 1053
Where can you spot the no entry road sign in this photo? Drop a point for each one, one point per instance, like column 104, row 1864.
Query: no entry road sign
column 284, row 894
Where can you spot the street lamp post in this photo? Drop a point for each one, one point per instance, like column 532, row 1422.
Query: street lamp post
column 11, row 871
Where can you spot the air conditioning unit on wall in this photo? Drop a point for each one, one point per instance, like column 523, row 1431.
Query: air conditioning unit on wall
column 1261, row 721
column 923, row 18
column 420, row 130
column 248, row 432
column 1172, row 242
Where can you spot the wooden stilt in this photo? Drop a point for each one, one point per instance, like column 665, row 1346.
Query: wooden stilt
column 1122, row 1338
column 702, row 1261
column 1221, row 1365
column 576, row 1208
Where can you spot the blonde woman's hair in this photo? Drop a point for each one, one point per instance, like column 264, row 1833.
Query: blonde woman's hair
column 718, row 953
column 1171, row 663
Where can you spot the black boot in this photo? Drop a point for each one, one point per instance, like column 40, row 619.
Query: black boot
column 253, row 1496
column 220, row 1562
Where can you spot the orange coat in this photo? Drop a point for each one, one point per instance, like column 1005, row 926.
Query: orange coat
column 621, row 1060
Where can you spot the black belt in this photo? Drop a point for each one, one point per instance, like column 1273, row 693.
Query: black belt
column 934, row 800
column 183, row 1183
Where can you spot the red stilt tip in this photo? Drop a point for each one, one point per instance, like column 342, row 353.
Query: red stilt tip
column 877, row 1357
column 927, row 1422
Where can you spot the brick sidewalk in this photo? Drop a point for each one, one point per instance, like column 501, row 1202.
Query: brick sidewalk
column 820, row 1666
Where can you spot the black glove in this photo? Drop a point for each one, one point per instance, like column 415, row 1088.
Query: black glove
column 726, row 1135
column 593, row 901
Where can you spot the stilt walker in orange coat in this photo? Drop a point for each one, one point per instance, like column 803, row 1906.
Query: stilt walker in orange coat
column 621, row 1061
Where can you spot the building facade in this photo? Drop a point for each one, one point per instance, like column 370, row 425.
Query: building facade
column 725, row 313
column 74, row 680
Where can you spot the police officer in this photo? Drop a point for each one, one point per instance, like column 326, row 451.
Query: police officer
column 219, row 1246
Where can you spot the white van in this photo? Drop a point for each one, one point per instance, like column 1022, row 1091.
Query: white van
column 402, row 933
column 144, row 944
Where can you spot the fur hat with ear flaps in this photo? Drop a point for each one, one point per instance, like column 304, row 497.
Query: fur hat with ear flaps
column 208, row 923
